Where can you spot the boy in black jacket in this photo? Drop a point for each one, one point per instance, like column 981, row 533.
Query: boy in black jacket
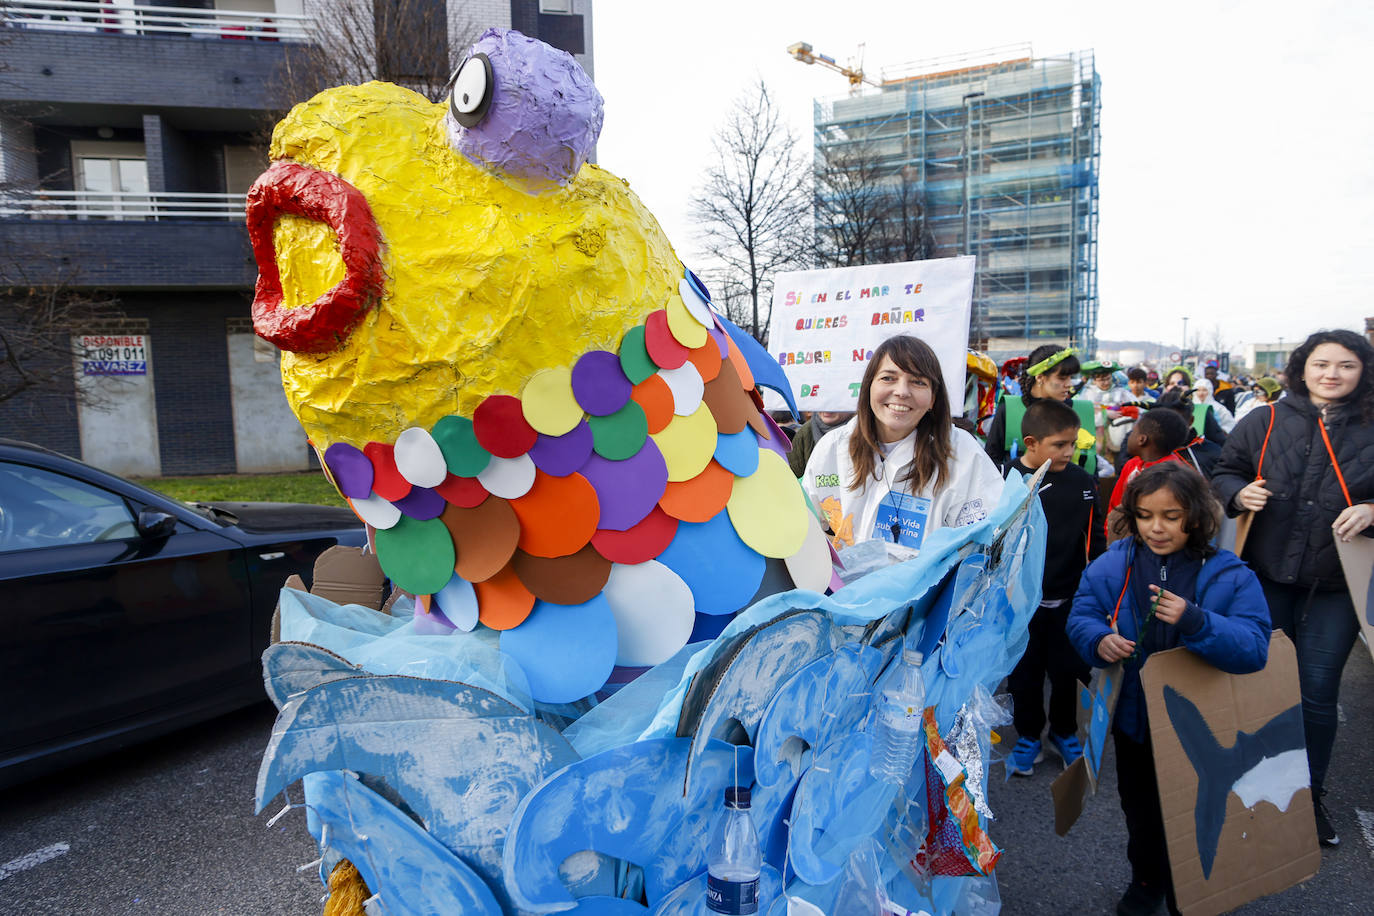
column 1068, row 496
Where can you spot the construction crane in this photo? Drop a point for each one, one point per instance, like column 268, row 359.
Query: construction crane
column 807, row 55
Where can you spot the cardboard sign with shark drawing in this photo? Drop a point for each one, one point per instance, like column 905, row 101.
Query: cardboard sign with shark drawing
column 1233, row 779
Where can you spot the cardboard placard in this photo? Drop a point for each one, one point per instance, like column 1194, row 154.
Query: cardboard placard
column 1357, row 559
column 1233, row 780
column 347, row 575
column 1072, row 787
column 826, row 324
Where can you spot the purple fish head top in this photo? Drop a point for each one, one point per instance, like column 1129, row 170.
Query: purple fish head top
column 524, row 111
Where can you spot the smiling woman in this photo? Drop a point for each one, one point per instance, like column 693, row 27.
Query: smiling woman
column 900, row 469
column 1317, row 485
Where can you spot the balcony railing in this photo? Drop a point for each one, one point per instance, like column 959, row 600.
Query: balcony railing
column 127, row 19
column 123, row 206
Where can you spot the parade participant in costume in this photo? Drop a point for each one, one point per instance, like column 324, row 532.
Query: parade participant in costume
column 900, row 469
column 811, row 432
column 1204, row 419
column 1136, row 380
column 1302, row 467
column 1222, row 389
column 1162, row 586
column 1157, row 436
column 1265, row 391
column 1203, row 396
column 1201, row 452
column 1048, row 374
column 1068, row 495
column 1106, row 397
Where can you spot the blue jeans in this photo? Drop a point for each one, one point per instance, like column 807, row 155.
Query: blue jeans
column 1323, row 627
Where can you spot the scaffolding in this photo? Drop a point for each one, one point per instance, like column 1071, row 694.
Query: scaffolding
column 1002, row 149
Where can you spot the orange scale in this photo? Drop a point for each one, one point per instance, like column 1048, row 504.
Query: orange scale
column 503, row 602
column 558, row 516
column 706, row 359
column 701, row 498
column 656, row 398
column 746, row 375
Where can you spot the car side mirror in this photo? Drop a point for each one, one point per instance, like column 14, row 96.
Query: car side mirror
column 155, row 524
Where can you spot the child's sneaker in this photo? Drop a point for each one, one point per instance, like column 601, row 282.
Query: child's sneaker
column 1024, row 756
column 1067, row 747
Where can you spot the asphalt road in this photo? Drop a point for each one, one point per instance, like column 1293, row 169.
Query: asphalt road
column 165, row 828
column 168, row 828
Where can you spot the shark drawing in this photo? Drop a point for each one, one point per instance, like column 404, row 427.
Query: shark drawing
column 1267, row 765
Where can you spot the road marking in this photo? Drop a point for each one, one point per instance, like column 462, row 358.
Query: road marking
column 47, row 853
column 1340, row 714
column 1367, row 828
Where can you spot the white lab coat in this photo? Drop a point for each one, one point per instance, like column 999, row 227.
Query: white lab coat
column 970, row 489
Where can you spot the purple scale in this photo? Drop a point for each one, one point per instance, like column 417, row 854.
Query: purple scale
column 421, row 504
column 599, row 384
column 351, row 469
column 719, row 335
column 779, row 442
column 559, row 456
column 627, row 490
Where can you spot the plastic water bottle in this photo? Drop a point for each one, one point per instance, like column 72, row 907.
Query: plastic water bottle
column 899, row 727
column 734, row 859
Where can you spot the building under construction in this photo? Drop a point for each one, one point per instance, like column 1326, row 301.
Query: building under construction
column 999, row 153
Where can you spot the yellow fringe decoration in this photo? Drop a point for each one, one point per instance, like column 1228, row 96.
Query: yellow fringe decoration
column 347, row 891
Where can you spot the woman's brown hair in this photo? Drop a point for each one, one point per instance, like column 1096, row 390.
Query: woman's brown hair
column 933, row 447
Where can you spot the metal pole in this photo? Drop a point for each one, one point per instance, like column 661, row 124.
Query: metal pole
column 1183, row 350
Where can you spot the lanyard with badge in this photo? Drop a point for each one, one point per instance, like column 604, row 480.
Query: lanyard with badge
column 901, row 517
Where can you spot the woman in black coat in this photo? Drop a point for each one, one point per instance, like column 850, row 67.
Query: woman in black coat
column 1316, row 485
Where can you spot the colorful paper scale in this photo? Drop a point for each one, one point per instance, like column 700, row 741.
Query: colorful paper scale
column 597, row 513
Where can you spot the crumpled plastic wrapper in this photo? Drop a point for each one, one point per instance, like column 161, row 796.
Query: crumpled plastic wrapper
column 970, row 741
column 485, row 284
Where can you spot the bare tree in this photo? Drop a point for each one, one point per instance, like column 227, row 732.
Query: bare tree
column 753, row 209
column 414, row 43
column 852, row 206
column 867, row 211
column 37, row 324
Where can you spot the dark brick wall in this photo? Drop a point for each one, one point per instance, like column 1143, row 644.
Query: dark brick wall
column 190, row 363
column 125, row 255
column 195, row 419
column 170, row 157
column 46, row 418
column 157, row 71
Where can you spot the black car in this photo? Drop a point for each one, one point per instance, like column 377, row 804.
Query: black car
column 125, row 614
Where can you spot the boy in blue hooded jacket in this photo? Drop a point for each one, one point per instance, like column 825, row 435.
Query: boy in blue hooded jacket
column 1162, row 586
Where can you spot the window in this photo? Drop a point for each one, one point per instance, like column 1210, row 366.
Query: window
column 40, row 508
column 114, row 177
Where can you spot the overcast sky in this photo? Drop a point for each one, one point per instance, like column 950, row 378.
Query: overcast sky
column 1237, row 137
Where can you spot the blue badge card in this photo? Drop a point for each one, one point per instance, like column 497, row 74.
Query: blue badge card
column 905, row 517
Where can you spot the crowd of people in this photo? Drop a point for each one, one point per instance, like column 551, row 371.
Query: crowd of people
column 1290, row 457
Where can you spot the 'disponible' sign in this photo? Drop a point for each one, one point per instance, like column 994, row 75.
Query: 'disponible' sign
column 113, row 354
column 826, row 324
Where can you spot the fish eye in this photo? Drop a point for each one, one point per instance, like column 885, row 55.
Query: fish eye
column 473, row 86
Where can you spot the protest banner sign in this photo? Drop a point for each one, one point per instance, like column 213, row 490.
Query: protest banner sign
column 826, row 324
column 1233, row 781
column 1357, row 559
